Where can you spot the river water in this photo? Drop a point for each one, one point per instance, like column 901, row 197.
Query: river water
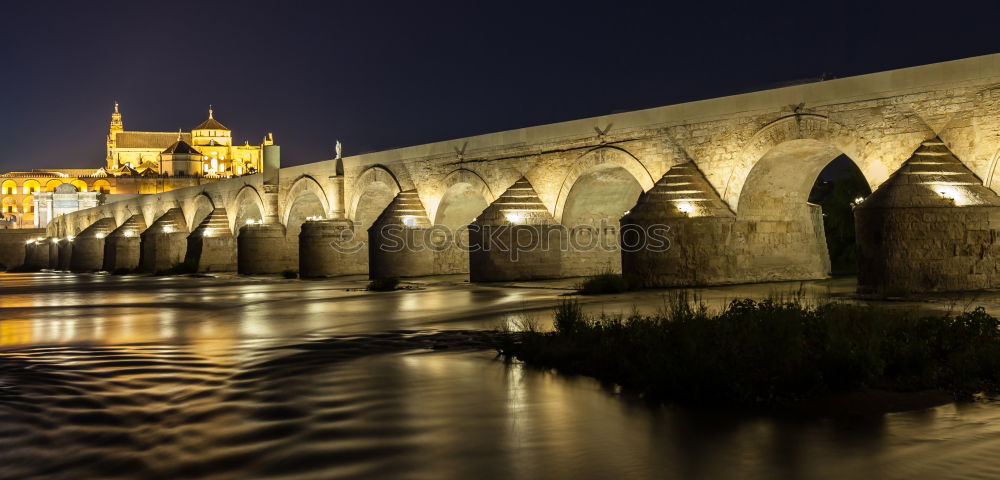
column 237, row 378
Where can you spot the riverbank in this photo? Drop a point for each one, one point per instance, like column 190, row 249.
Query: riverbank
column 774, row 354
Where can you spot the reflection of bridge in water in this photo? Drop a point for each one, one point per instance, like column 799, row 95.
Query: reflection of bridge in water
column 729, row 176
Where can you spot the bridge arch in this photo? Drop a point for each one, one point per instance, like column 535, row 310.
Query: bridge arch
column 603, row 159
column 785, row 236
column 246, row 205
column 155, row 210
column 305, row 198
column 122, row 211
column 817, row 128
column 196, row 209
column 603, row 184
column 371, row 193
column 464, row 196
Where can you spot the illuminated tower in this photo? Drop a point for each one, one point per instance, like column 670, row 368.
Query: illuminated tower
column 116, row 127
column 214, row 140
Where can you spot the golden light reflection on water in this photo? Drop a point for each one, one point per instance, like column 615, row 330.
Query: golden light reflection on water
column 196, row 349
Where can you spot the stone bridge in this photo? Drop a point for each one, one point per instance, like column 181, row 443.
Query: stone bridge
column 727, row 179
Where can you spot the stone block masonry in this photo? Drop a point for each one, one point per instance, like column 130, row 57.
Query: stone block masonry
column 757, row 153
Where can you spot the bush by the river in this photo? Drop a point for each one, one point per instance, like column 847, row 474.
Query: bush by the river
column 768, row 352
column 383, row 284
column 601, row 283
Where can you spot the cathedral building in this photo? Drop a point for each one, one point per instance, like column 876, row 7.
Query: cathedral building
column 137, row 163
column 142, row 152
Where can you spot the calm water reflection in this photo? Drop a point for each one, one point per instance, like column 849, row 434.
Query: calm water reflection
column 128, row 377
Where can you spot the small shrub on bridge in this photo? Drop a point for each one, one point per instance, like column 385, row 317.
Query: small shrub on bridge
column 769, row 352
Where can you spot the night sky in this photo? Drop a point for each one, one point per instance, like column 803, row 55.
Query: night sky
column 383, row 75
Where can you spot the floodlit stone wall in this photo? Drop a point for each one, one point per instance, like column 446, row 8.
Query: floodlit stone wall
column 758, row 152
column 12, row 245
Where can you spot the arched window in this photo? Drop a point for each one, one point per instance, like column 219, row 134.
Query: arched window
column 9, row 205
column 31, row 187
column 102, row 186
column 8, row 187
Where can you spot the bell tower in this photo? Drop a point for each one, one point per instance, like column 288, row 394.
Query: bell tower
column 116, row 127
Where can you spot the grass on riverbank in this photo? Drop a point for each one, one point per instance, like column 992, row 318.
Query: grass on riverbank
column 771, row 352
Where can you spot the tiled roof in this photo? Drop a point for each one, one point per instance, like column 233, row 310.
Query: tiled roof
column 160, row 140
column 182, row 148
column 211, row 124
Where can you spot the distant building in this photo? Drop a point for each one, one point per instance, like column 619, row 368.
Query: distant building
column 137, row 163
column 141, row 151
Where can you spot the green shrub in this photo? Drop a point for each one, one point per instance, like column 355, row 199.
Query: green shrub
column 383, row 284
column 768, row 352
column 603, row 282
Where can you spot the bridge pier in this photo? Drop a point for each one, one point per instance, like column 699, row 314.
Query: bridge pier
column 65, row 253
column 329, row 248
column 211, row 246
column 931, row 227
column 678, row 234
column 53, row 244
column 515, row 238
column 164, row 243
column 36, row 255
column 262, row 249
column 88, row 246
column 121, row 246
column 399, row 240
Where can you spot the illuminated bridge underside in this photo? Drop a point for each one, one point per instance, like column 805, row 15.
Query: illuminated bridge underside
column 729, row 177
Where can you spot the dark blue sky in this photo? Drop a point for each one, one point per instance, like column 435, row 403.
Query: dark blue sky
column 379, row 75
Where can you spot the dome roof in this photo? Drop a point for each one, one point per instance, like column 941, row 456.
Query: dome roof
column 932, row 177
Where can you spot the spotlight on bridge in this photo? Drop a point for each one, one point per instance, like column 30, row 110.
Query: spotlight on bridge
column 686, row 208
column 514, row 217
